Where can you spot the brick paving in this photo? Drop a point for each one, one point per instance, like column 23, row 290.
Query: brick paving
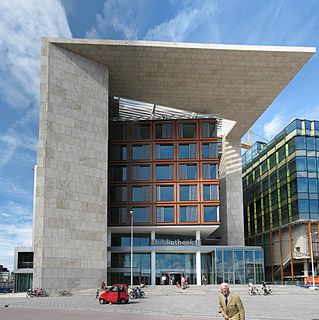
column 196, row 302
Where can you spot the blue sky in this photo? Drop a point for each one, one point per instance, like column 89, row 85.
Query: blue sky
column 22, row 23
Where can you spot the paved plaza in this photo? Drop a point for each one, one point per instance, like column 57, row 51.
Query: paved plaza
column 288, row 302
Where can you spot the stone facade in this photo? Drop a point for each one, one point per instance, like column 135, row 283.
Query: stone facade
column 71, row 192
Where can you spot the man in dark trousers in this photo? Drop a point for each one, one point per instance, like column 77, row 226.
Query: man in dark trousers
column 230, row 304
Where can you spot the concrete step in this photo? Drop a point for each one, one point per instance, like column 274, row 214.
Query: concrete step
column 215, row 289
column 168, row 290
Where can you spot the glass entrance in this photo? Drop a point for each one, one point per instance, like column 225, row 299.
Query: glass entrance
column 171, row 266
column 171, row 278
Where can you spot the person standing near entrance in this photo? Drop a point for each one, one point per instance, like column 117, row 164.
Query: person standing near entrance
column 230, row 304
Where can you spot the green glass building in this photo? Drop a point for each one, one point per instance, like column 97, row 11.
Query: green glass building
column 280, row 187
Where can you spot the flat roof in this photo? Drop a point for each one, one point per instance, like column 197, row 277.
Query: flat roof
column 237, row 82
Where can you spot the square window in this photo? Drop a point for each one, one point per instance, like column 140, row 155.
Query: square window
column 118, row 194
column 165, row 214
column 141, row 193
column 187, row 151
column 209, row 171
column 188, row 171
column 141, row 152
column 187, row 130
column 165, row 193
column 118, row 152
column 188, row 214
column 118, row 132
column 141, row 214
column 141, row 131
column 188, row 192
column 210, row 214
column 118, row 173
column 118, row 215
column 164, row 172
column 209, row 150
column 141, row 172
column 164, row 151
column 210, row 192
column 209, row 129
column 164, row 131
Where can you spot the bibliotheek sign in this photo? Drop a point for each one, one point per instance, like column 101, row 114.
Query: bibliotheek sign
column 177, row 242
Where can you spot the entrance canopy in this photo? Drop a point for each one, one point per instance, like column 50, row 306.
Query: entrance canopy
column 234, row 81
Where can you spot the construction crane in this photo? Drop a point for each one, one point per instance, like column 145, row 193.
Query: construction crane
column 248, row 144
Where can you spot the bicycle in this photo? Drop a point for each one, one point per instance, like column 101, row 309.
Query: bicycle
column 65, row 293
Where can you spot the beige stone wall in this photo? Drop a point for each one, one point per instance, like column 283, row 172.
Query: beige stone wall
column 71, row 183
column 231, row 196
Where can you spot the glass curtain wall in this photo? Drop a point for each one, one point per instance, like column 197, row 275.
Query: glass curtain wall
column 236, row 266
column 280, row 184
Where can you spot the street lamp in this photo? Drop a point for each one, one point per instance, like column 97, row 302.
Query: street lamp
column 131, row 215
column 312, row 263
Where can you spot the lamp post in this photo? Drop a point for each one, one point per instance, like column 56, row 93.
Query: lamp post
column 312, row 263
column 311, row 256
column 131, row 215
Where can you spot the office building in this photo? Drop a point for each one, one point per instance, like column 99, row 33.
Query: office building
column 280, row 185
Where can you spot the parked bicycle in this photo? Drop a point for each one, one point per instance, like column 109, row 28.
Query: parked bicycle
column 252, row 290
column 37, row 292
column 136, row 293
column 65, row 293
column 266, row 289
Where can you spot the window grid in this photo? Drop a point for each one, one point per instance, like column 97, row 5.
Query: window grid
column 176, row 180
column 288, row 187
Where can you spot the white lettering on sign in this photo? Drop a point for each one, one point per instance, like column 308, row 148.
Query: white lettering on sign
column 177, row 242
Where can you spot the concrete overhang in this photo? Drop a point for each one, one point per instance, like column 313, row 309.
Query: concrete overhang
column 237, row 82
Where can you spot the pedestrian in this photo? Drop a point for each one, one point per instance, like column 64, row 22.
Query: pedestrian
column 97, row 293
column 103, row 286
column 182, row 281
column 230, row 304
column 204, row 280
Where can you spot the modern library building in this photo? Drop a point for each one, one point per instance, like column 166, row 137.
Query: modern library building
column 281, row 212
column 139, row 171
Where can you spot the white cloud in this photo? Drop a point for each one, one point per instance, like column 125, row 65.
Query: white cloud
column 118, row 16
column 122, row 19
column 22, row 25
column 12, row 140
column 184, row 23
column 273, row 127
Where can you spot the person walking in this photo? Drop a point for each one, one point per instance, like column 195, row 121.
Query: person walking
column 230, row 304
column 204, row 279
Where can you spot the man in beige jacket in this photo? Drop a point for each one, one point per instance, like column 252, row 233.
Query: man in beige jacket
column 230, row 304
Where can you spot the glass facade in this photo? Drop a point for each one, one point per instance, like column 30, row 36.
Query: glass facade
column 280, row 183
column 235, row 265
column 164, row 169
